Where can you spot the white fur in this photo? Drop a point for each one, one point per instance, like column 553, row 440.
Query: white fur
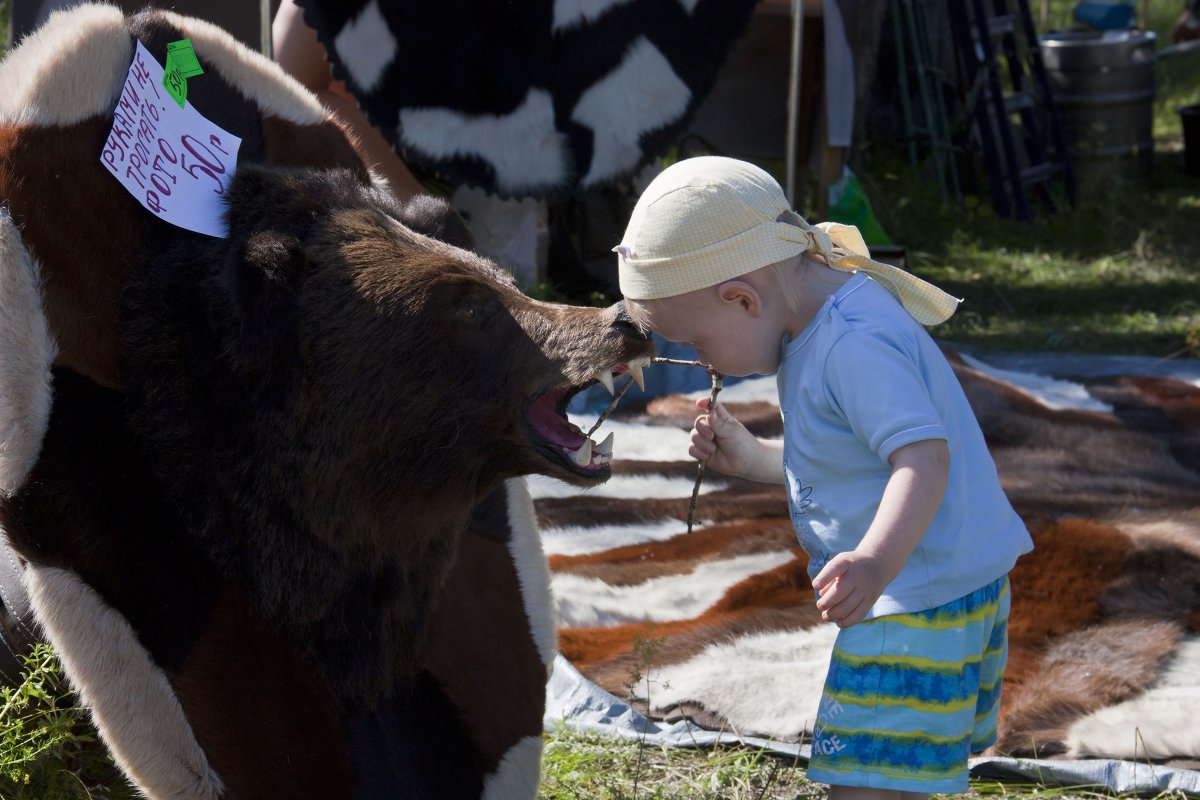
column 519, row 773
column 642, row 94
column 256, row 77
column 74, row 66
column 1180, row 530
column 573, row 540
column 523, row 147
column 132, row 703
column 70, row 69
column 628, row 487
column 571, row 13
column 778, row 686
column 533, row 573
column 1050, row 392
column 1160, row 723
column 27, row 353
column 366, row 46
column 636, row 442
column 585, row 602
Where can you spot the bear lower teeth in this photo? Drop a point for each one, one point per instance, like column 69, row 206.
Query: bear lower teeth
column 590, row 454
column 583, row 456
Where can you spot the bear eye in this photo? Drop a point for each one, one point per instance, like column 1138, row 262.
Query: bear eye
column 469, row 311
column 476, row 311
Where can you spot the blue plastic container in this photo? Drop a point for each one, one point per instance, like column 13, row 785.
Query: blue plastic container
column 1104, row 16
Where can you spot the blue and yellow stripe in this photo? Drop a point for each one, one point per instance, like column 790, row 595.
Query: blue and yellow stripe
column 910, row 696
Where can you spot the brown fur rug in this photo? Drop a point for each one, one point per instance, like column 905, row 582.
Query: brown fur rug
column 1105, row 627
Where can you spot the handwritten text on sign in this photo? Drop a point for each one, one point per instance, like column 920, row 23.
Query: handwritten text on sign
column 173, row 160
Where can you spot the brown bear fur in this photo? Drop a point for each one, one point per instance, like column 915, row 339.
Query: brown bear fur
column 343, row 392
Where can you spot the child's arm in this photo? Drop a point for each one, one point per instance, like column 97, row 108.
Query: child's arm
column 726, row 446
column 851, row 582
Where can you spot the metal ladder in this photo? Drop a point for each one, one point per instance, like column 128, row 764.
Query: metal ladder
column 923, row 90
column 1016, row 120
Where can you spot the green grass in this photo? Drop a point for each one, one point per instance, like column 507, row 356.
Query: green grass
column 592, row 767
column 1117, row 273
column 605, row 768
column 48, row 749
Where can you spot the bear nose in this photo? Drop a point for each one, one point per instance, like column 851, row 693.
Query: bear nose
column 624, row 325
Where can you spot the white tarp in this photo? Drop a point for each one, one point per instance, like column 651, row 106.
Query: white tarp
column 578, row 704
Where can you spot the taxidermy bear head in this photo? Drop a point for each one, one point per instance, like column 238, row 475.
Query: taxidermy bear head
column 340, row 390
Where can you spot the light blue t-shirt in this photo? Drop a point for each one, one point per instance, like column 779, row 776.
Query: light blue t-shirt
column 862, row 380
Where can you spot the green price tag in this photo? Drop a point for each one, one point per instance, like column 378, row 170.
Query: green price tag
column 181, row 65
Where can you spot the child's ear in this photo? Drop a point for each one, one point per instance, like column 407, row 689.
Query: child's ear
column 743, row 294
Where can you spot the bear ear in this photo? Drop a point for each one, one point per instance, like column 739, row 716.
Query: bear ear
column 437, row 219
column 273, row 258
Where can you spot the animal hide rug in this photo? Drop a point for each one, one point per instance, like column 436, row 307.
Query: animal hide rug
column 1105, row 626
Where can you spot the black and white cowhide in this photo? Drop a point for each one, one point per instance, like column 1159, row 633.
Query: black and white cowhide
column 528, row 98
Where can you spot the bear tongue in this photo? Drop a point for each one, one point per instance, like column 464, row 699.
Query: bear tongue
column 543, row 414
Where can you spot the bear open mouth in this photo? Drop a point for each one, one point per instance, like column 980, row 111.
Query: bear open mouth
column 562, row 440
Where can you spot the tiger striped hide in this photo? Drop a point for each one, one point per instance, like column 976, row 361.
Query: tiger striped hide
column 721, row 624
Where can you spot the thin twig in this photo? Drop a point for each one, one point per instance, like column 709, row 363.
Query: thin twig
column 770, row 777
column 717, row 380
column 611, row 406
column 678, row 362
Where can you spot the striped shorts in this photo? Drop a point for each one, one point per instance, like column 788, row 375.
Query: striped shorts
column 910, row 696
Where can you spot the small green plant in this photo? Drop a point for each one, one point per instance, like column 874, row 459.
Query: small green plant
column 645, row 652
column 48, row 748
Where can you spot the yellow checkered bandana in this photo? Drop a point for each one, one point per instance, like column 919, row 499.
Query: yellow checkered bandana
column 710, row 219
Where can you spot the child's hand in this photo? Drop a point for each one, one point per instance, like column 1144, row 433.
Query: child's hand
column 721, row 442
column 849, row 585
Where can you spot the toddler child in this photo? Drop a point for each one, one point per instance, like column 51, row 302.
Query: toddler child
column 890, row 486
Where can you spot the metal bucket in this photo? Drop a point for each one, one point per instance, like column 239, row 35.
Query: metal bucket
column 1190, row 117
column 1103, row 84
